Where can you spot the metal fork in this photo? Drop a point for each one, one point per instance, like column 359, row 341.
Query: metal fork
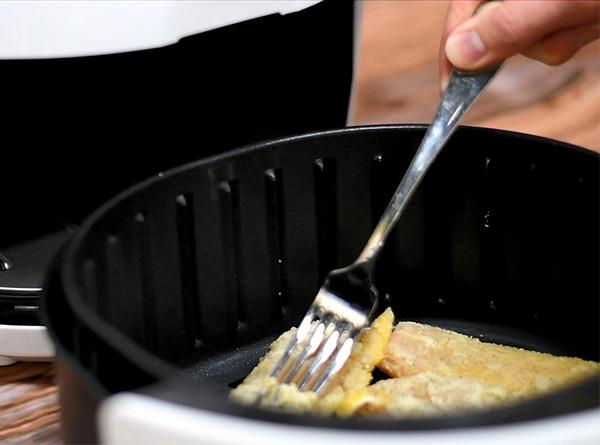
column 348, row 299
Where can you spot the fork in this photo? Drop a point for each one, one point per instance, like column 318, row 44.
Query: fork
column 348, row 299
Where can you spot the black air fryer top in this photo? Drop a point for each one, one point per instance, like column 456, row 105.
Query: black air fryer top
column 82, row 129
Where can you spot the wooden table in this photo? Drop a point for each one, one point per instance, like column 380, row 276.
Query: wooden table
column 397, row 82
column 29, row 410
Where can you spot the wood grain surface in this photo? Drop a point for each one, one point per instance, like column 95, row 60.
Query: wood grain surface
column 397, row 82
column 29, row 410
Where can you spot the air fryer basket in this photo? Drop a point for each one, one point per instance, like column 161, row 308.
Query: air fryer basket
column 193, row 273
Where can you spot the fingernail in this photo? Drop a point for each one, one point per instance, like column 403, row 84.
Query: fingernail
column 463, row 50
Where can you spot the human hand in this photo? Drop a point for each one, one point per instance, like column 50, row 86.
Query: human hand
column 550, row 31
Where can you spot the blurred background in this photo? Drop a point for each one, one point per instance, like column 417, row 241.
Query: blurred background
column 398, row 79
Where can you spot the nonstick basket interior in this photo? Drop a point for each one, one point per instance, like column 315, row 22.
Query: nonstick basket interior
column 194, row 272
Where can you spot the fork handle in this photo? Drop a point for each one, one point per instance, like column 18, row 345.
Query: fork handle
column 462, row 91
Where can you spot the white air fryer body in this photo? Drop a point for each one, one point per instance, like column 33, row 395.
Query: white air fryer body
column 49, row 29
column 133, row 418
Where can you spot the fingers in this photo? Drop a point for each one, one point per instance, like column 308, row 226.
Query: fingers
column 558, row 47
column 459, row 11
column 514, row 26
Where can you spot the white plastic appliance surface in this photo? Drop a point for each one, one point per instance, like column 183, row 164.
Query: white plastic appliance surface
column 129, row 418
column 49, row 29
column 24, row 343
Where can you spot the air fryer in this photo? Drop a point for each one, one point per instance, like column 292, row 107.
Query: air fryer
column 81, row 129
column 175, row 288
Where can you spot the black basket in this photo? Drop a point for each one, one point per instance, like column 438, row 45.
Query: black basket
column 194, row 272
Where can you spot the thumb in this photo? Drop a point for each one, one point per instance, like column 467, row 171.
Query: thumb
column 509, row 28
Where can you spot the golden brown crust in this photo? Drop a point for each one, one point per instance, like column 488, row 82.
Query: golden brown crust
column 426, row 393
column 434, row 371
column 416, row 348
column 356, row 373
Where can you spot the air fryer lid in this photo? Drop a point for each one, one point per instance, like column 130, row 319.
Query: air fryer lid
column 194, row 272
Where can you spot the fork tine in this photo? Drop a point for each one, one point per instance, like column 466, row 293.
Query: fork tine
column 315, row 338
column 320, row 347
column 301, row 334
column 323, row 355
column 338, row 361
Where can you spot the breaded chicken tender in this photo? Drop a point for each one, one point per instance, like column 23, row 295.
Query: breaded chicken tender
column 416, row 348
column 354, row 375
column 432, row 371
column 422, row 394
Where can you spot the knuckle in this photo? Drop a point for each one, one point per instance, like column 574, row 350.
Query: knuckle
column 551, row 54
column 554, row 58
